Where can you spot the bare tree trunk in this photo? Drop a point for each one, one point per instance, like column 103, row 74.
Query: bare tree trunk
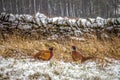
column 49, row 8
column 72, row 8
column 3, row 6
column 67, row 10
column 34, row 6
column 16, row 2
column 61, row 8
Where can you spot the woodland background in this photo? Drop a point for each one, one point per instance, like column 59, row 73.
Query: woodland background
column 69, row 8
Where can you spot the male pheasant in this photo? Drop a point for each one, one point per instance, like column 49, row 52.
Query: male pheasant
column 44, row 54
column 76, row 56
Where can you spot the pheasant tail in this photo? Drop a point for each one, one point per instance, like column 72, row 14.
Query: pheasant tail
column 86, row 58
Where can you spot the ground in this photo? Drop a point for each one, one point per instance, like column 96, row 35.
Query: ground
column 29, row 69
column 17, row 62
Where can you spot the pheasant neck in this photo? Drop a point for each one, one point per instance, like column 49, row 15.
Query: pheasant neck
column 74, row 50
column 51, row 52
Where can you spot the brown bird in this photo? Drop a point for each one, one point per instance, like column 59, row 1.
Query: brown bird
column 76, row 56
column 44, row 54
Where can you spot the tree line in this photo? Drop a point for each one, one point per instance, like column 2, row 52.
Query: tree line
column 69, row 8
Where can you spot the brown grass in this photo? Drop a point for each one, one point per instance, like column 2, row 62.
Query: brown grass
column 15, row 46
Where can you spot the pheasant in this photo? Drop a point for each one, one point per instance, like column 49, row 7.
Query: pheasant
column 44, row 54
column 76, row 56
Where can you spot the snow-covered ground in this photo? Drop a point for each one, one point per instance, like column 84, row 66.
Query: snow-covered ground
column 26, row 69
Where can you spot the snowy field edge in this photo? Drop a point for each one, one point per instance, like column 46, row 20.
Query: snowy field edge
column 28, row 69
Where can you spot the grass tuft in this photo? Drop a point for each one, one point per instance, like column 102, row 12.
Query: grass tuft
column 15, row 45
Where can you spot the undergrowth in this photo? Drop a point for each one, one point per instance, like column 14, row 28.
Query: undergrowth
column 16, row 46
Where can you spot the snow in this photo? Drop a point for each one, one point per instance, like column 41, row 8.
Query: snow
column 2, row 14
column 83, row 21
column 17, row 16
column 79, row 22
column 25, row 27
column 92, row 20
column 78, row 32
column 57, row 70
column 1, row 26
column 28, row 18
column 76, row 26
column 41, row 19
column 56, row 18
column 100, row 21
column 118, row 19
column 79, row 39
column 109, row 28
column 12, row 18
column 53, row 37
column 71, row 22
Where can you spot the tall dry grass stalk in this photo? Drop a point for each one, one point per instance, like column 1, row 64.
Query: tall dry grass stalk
column 15, row 45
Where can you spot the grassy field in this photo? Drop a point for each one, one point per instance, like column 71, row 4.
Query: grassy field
column 16, row 46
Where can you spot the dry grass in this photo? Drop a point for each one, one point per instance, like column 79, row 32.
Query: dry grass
column 17, row 46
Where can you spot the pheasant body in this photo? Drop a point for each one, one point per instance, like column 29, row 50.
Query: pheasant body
column 86, row 58
column 44, row 54
column 76, row 56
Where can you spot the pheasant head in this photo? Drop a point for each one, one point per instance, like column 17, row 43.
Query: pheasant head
column 74, row 48
column 51, row 48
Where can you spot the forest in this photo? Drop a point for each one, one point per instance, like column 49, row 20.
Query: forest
column 69, row 8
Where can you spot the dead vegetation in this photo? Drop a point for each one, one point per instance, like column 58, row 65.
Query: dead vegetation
column 19, row 47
